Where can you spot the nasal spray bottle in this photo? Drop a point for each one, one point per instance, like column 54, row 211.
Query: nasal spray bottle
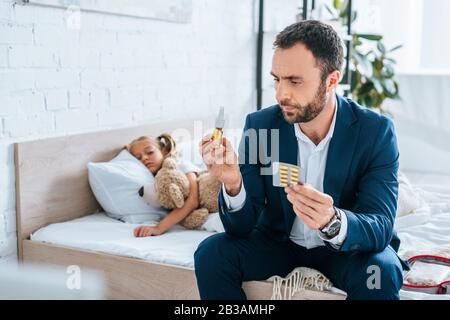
column 218, row 131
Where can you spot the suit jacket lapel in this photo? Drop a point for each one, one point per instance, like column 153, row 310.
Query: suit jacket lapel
column 341, row 150
column 288, row 150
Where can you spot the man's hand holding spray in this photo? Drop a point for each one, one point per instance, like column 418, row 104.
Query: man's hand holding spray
column 220, row 157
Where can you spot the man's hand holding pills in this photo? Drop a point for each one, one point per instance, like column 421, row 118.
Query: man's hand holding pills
column 315, row 208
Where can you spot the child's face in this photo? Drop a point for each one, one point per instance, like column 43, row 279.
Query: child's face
column 149, row 154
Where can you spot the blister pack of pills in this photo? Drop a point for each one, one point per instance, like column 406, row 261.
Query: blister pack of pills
column 285, row 174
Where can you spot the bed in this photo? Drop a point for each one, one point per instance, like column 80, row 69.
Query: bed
column 52, row 188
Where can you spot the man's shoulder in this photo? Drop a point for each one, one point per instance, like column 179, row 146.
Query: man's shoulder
column 366, row 117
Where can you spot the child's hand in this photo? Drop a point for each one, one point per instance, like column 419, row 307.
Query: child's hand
column 147, row 231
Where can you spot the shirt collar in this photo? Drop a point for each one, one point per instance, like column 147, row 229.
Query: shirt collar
column 300, row 135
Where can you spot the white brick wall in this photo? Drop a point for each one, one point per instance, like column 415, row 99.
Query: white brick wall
column 3, row 56
column 56, row 99
column 113, row 72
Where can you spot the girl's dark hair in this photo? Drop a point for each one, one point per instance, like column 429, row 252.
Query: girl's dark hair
column 320, row 38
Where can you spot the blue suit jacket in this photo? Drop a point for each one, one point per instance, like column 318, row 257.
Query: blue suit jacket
column 360, row 175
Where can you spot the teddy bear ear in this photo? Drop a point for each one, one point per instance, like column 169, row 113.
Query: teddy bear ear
column 169, row 163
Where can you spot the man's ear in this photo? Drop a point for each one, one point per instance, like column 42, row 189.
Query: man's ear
column 333, row 80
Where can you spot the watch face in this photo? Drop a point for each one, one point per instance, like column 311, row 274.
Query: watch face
column 334, row 228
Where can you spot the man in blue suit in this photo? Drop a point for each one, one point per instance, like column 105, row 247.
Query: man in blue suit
column 340, row 221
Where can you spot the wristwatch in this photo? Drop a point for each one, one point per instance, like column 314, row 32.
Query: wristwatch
column 333, row 227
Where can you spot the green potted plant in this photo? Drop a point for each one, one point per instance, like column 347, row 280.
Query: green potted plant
column 372, row 70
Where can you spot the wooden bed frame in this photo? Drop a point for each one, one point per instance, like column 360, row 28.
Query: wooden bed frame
column 52, row 186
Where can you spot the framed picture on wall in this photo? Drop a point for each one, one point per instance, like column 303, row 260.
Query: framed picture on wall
column 178, row 11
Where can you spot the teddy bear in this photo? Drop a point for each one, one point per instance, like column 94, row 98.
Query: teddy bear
column 172, row 189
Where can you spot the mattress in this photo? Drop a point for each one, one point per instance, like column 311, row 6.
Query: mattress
column 98, row 232
column 425, row 231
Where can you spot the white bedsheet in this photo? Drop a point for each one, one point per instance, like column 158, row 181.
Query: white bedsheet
column 426, row 231
column 98, row 232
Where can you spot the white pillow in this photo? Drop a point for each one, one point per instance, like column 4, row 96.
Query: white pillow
column 115, row 185
column 213, row 223
column 408, row 199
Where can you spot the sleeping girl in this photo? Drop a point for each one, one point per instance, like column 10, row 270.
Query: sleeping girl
column 152, row 152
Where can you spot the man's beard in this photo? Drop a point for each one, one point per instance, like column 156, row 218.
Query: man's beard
column 309, row 111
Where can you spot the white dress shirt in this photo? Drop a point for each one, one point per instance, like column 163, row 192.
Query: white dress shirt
column 312, row 160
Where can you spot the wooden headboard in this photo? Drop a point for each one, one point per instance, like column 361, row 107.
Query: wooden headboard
column 51, row 174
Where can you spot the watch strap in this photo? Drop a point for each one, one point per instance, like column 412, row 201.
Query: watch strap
column 325, row 230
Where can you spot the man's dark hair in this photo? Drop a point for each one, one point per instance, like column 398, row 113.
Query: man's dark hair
column 320, row 38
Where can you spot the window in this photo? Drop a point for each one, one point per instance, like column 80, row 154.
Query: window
column 420, row 25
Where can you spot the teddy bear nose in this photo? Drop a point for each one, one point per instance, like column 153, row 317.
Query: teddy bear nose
column 141, row 191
